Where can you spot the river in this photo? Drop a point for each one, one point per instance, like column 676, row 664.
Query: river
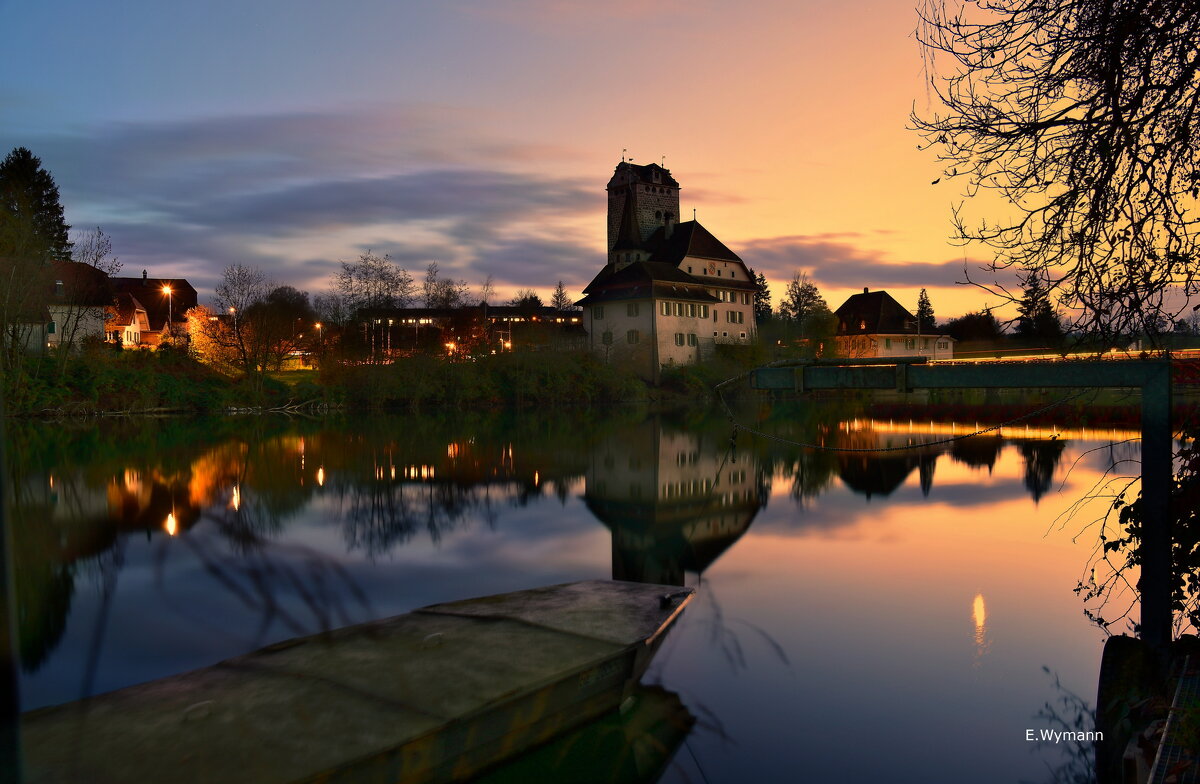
column 861, row 616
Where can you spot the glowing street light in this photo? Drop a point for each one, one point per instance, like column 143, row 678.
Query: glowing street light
column 167, row 290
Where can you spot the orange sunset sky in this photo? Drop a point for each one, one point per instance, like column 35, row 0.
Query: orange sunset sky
column 480, row 135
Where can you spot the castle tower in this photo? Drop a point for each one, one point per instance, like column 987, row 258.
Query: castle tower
column 641, row 199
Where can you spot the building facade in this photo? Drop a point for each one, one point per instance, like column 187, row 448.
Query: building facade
column 874, row 324
column 669, row 290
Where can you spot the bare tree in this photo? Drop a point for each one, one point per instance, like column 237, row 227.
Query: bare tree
column 487, row 291
column 443, row 292
column 1083, row 116
column 373, row 281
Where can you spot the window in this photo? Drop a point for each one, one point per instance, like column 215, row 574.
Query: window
column 704, row 311
column 745, row 299
column 743, row 335
column 607, row 338
column 718, row 273
column 714, row 333
column 910, row 343
column 692, row 310
column 689, row 270
column 632, row 336
column 678, row 338
column 943, row 345
column 678, row 308
column 724, row 334
column 598, row 312
column 735, row 317
column 631, row 309
column 666, row 308
column 692, row 339
column 50, row 328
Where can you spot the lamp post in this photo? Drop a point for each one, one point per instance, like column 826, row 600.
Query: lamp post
column 167, row 291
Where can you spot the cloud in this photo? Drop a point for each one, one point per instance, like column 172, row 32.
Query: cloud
column 423, row 183
column 835, row 260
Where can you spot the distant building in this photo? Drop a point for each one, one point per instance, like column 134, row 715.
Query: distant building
column 873, row 324
column 79, row 304
column 472, row 329
column 670, row 290
column 164, row 302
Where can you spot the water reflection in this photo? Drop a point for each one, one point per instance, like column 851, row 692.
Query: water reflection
column 979, row 616
column 675, row 496
column 287, row 528
column 673, row 499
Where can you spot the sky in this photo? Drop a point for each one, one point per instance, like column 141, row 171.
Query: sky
column 480, row 135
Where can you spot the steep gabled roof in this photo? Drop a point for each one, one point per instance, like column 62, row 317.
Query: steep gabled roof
column 688, row 240
column 149, row 292
column 126, row 307
column 874, row 313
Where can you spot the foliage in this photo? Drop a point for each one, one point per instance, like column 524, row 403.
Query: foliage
column 109, row 379
column 515, row 378
column 977, row 326
column 1038, row 320
column 1184, row 524
column 762, row 298
column 1082, row 115
column 27, row 191
column 526, row 298
column 926, row 323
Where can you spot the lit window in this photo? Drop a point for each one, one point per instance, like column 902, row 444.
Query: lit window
column 666, row 308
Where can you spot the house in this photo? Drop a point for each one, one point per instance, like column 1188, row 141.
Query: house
column 669, row 290
column 127, row 321
column 165, row 302
column 79, row 303
column 874, row 324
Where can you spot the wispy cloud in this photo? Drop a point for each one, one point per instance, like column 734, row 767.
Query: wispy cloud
column 284, row 191
column 847, row 260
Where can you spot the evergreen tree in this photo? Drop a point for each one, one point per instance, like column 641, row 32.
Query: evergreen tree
column 926, row 323
column 560, row 300
column 1037, row 318
column 28, row 193
column 762, row 298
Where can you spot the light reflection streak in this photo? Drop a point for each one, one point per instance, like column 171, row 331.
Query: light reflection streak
column 979, row 615
column 170, row 526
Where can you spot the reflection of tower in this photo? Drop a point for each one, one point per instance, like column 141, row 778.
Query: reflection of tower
column 673, row 500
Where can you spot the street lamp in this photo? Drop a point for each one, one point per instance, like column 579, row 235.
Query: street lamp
column 167, row 291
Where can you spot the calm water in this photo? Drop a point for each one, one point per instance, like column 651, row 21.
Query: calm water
column 859, row 618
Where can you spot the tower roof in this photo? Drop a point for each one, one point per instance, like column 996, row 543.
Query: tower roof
column 629, row 235
column 651, row 173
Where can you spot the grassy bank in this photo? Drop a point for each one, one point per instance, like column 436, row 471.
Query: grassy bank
column 100, row 379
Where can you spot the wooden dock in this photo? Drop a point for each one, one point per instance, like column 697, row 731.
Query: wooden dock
column 439, row 694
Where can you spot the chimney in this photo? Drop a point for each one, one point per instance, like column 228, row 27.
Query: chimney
column 866, row 290
column 143, row 276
